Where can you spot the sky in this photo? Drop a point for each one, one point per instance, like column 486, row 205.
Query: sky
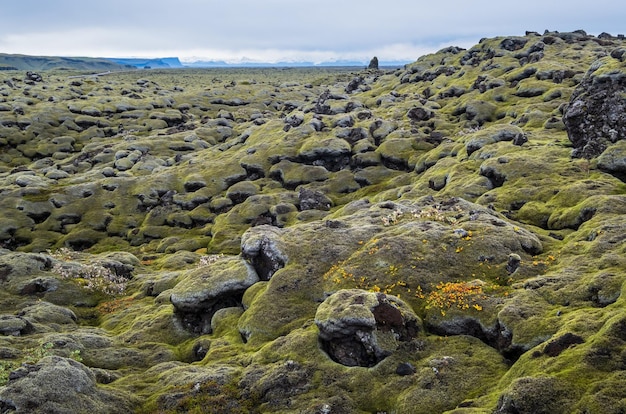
column 285, row 30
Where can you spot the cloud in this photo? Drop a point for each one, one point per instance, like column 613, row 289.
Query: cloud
column 273, row 30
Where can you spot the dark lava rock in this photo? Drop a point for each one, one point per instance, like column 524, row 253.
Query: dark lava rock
column 513, row 263
column 39, row 286
column 420, row 114
column 373, row 63
column 354, row 84
column 332, row 153
column 360, row 328
column 48, row 314
column 596, row 115
column 513, row 43
column 405, row 369
column 313, row 200
column 294, row 120
column 560, row 344
column 33, row 77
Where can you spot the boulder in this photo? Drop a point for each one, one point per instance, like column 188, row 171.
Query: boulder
column 263, row 248
column 331, row 153
column 420, row 113
column 33, row 77
column 313, row 200
column 596, row 115
column 292, row 174
column 16, row 266
column 56, row 385
column 14, row 325
column 48, row 314
column 356, row 82
column 209, row 288
column 360, row 328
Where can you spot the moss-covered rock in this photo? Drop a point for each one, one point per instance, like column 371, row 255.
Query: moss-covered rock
column 205, row 290
column 57, row 384
column 360, row 328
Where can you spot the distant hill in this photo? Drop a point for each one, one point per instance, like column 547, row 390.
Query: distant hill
column 158, row 63
column 26, row 62
column 248, row 64
column 33, row 63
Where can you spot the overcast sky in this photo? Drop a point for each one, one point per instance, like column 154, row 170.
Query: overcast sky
column 282, row 30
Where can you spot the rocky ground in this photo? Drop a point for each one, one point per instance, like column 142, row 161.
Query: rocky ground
column 444, row 237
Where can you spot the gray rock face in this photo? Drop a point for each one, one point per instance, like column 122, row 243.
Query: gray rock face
column 596, row 116
column 360, row 328
column 58, row 385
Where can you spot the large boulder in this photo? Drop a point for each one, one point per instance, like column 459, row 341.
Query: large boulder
column 209, row 288
column 596, row 115
column 361, row 328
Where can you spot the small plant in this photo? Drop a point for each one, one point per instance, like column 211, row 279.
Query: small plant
column 341, row 274
column 5, row 369
column 75, row 355
column 93, row 277
column 460, row 295
column 63, row 253
column 209, row 259
column 437, row 214
column 434, row 213
column 468, row 130
column 31, row 356
column 392, row 218
column 115, row 305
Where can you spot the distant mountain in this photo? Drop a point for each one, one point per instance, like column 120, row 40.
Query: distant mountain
column 338, row 63
column 33, row 63
column 157, row 63
column 26, row 62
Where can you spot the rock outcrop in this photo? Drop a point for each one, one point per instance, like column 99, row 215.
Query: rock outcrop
column 596, row 115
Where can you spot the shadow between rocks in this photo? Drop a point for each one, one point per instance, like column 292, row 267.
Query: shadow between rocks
column 497, row 336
